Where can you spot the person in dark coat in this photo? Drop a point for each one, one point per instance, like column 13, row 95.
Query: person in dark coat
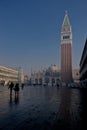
column 11, row 85
column 16, row 89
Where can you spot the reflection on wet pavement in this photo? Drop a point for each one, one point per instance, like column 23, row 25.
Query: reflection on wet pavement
column 43, row 108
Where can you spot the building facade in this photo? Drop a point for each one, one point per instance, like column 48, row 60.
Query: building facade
column 66, row 51
column 9, row 74
column 76, row 75
column 83, row 65
column 48, row 77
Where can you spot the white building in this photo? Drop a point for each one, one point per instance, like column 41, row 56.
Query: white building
column 9, row 74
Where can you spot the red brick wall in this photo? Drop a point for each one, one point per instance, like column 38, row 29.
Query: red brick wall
column 66, row 62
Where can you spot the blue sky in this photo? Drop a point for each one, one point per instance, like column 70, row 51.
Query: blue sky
column 30, row 32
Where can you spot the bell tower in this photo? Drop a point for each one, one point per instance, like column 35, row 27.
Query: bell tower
column 66, row 51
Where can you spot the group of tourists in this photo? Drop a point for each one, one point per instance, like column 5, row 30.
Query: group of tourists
column 14, row 87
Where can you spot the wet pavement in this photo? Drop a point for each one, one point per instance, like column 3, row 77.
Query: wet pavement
column 43, row 108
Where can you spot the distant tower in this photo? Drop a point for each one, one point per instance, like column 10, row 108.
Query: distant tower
column 66, row 51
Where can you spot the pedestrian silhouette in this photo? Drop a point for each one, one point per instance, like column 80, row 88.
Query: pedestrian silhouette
column 11, row 85
column 16, row 89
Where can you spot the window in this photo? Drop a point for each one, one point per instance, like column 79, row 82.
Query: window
column 66, row 37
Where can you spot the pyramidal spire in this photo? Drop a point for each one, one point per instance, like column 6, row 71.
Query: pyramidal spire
column 66, row 20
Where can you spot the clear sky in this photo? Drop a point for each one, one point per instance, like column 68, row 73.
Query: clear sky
column 30, row 32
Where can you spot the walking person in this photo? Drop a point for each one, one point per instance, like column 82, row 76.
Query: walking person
column 11, row 85
column 16, row 89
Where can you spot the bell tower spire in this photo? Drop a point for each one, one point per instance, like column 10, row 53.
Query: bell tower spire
column 66, row 20
column 66, row 32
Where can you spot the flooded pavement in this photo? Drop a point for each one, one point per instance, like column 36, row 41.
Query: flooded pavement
column 43, row 108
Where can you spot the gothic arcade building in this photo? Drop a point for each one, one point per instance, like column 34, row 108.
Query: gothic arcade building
column 83, row 65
